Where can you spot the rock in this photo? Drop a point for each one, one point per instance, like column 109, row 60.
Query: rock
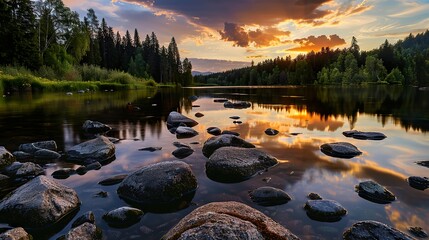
column 234, row 164
column 113, row 180
column 3, row 180
column 198, row 115
column 174, row 119
column 6, row 158
column 237, row 122
column 102, row 194
column 227, row 220
column 22, row 156
column 114, row 140
column 295, row 134
column 214, row 131
column 269, row 196
column 423, row 163
column 340, row 150
column 235, row 117
column 12, row 168
column 230, row 133
column 314, row 196
column 185, row 132
column 237, row 105
column 123, row 216
column 29, row 169
column 418, row 232
column 374, row 192
column 193, row 98
column 196, row 106
column 373, row 230
column 325, row 210
column 98, row 149
column 87, row 217
column 95, row 127
column 86, row 231
column 364, row 135
column 33, row 147
column 45, row 154
column 220, row 100
column 420, row 183
column 166, row 185
column 46, row 200
column 180, row 145
column 224, row 140
column 271, row 132
column 81, row 170
column 63, row 173
column 150, row 149
column 182, row 152
column 93, row 166
column 16, row 234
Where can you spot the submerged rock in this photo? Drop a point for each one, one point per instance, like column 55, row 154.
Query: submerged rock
column 420, row 183
column 199, row 115
column 224, row 140
column 271, row 132
column 87, row 217
column 161, row 186
column 185, row 132
column 123, row 216
column 46, row 200
column 95, row 127
column 230, row 132
column 214, row 131
column 373, row 230
column 364, row 135
column 180, row 145
column 237, row 105
column 63, row 173
column 175, row 119
column 150, row 149
column 374, row 192
column 340, row 150
column 33, row 147
column 314, row 196
column 423, row 163
column 6, row 158
column 182, row 152
column 228, row 220
column 233, row 164
column 99, row 149
column 220, row 100
column 87, row 231
column 113, row 180
column 269, row 196
column 325, row 210
column 418, row 232
column 16, row 234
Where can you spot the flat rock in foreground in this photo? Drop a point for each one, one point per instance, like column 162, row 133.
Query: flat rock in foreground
column 340, row 150
column 234, row 164
column 373, row 230
column 95, row 150
column 39, row 203
column 224, row 140
column 227, row 220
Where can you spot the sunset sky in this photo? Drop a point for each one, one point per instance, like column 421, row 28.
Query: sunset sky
column 232, row 33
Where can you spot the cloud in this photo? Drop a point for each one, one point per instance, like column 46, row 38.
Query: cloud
column 313, row 43
column 259, row 37
column 216, row 65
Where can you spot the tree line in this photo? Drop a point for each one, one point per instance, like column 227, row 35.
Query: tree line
column 46, row 36
column 406, row 63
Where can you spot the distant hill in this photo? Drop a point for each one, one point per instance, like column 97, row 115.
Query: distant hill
column 198, row 73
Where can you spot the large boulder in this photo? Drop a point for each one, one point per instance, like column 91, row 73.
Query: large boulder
column 35, row 146
column 373, row 230
column 224, row 140
column 269, row 196
column 340, row 150
column 16, row 234
column 95, row 150
column 95, row 127
column 86, row 231
column 39, row 203
column 374, row 192
column 364, row 135
column 175, row 119
column 325, row 210
column 234, row 164
column 227, row 220
column 162, row 186
column 185, row 132
column 6, row 158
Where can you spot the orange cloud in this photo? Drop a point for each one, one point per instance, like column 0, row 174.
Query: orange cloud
column 313, row 43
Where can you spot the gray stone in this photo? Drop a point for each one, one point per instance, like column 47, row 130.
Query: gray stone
column 193, row 98
column 29, row 169
column 220, row 100
column 22, row 156
column 98, row 149
column 230, row 132
column 175, row 119
column 33, row 147
column 179, row 145
column 235, row 117
column 12, row 168
column 95, row 127
column 182, row 152
column 6, row 158
column 227, row 220
column 3, row 180
column 123, row 216
column 214, row 131
column 150, row 149
column 199, row 115
column 87, row 217
column 233, row 164
column 373, row 230
column 364, row 135
column 374, row 192
column 45, row 154
column 418, row 232
column 269, row 196
column 237, row 105
column 224, row 140
column 114, row 140
column 325, row 210
column 170, row 184
column 185, row 132
column 113, row 180
column 340, row 150
column 314, row 196
column 38, row 203
column 420, row 183
column 16, row 234
column 93, row 166
column 271, row 132
column 86, row 231
column 63, row 173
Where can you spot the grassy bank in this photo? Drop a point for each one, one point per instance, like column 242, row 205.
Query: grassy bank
column 87, row 77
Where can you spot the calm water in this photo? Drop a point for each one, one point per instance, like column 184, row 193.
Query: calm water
column 319, row 114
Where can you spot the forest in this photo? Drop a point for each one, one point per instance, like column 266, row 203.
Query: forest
column 46, row 39
column 405, row 63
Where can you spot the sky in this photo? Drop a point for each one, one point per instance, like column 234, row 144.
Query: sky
column 218, row 35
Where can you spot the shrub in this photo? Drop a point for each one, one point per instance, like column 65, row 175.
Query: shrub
column 47, row 72
column 93, row 73
column 120, row 77
column 151, row 83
